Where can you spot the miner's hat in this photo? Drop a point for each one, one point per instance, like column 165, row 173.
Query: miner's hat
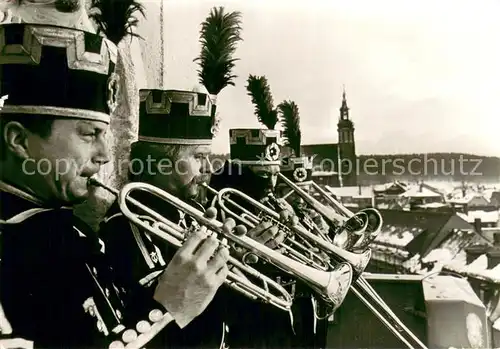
column 177, row 117
column 297, row 169
column 255, row 146
column 57, row 71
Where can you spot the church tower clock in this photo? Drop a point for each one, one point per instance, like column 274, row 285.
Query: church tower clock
column 346, row 148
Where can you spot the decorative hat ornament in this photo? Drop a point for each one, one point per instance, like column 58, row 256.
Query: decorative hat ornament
column 258, row 146
column 116, row 18
column 295, row 167
column 190, row 117
column 57, row 71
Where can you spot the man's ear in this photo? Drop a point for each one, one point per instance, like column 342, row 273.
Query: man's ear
column 15, row 136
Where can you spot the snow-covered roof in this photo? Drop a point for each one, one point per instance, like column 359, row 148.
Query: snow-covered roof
column 462, row 200
column 418, row 191
column 433, row 205
column 385, row 186
column 355, row 192
column 484, row 216
column 396, row 235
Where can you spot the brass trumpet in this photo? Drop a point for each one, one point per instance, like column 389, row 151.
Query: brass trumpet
column 297, row 249
column 354, row 231
column 360, row 287
column 331, row 286
column 358, row 261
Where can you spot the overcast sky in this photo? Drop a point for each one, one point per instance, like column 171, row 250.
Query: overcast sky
column 420, row 76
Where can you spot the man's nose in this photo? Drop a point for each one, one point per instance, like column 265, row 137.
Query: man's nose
column 102, row 155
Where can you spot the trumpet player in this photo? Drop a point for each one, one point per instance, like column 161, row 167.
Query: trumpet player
column 57, row 288
column 299, row 170
column 253, row 169
column 171, row 153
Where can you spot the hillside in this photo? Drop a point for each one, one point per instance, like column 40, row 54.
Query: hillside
column 411, row 167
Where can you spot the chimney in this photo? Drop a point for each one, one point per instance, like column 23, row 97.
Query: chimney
column 464, row 192
column 494, row 253
column 477, row 225
column 359, row 190
column 473, row 252
column 496, row 239
column 493, row 256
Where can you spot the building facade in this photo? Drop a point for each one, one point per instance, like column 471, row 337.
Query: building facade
column 339, row 158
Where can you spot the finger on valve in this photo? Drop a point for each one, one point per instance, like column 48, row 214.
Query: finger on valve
column 194, row 240
column 268, row 235
column 207, row 248
column 219, row 260
column 259, row 229
column 278, row 239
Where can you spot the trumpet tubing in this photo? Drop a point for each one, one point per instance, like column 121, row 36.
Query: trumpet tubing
column 332, row 286
column 372, row 228
column 251, row 220
column 357, row 231
column 360, row 287
column 358, row 261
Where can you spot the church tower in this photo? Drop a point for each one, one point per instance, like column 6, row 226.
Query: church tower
column 346, row 147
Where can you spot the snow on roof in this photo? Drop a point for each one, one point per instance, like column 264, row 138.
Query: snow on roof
column 484, row 216
column 351, row 204
column 438, row 255
column 433, row 205
column 487, row 193
column 396, row 236
column 366, row 192
column 419, row 192
column 385, row 186
column 477, row 265
column 462, row 200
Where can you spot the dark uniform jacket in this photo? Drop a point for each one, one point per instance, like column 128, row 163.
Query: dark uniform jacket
column 261, row 325
column 56, row 285
column 138, row 258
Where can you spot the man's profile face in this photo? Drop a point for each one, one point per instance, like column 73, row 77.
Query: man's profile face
column 191, row 168
column 58, row 167
column 269, row 176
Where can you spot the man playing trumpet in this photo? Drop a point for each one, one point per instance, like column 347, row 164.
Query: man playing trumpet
column 253, row 168
column 175, row 142
column 57, row 288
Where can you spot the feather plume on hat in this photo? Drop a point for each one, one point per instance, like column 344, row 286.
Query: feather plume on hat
column 219, row 35
column 258, row 88
column 116, row 18
column 289, row 115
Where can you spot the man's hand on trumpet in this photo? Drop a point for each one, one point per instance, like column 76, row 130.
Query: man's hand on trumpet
column 194, row 274
column 267, row 232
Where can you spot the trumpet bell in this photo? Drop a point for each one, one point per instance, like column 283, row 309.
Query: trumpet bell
column 375, row 221
column 352, row 230
column 338, row 285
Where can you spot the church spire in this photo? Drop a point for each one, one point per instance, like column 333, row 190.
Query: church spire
column 344, row 109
